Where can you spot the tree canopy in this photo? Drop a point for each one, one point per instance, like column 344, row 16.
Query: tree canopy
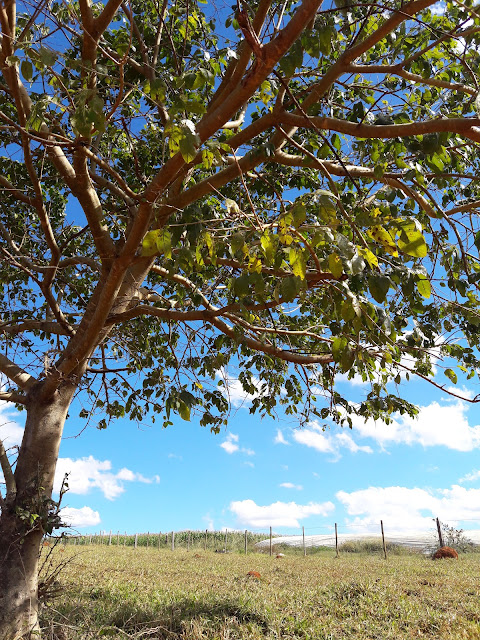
column 291, row 186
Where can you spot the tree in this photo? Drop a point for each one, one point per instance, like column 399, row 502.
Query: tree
column 291, row 187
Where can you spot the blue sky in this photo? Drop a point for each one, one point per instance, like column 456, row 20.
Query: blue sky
column 258, row 473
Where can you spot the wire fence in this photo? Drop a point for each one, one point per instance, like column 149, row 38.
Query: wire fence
column 382, row 540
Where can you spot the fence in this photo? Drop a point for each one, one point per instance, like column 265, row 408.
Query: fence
column 382, row 541
column 219, row 541
column 439, row 535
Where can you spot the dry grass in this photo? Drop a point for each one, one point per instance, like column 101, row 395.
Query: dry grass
column 123, row 593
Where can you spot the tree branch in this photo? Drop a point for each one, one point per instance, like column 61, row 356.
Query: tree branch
column 16, row 374
column 34, row 325
column 11, row 396
column 398, row 71
column 14, row 192
column 7, row 473
column 468, row 127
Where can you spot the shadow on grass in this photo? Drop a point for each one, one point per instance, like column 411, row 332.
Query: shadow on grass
column 117, row 614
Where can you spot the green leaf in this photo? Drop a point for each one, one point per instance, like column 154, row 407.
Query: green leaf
column 477, row 235
column 347, row 360
column 451, row 375
column 241, row 285
column 327, row 210
column 188, row 146
column 424, row 287
column 192, row 106
column 298, row 262
column 95, row 113
column 158, row 241
column 184, row 411
column 379, row 286
column 164, row 242
column 289, row 288
column 299, row 214
column 156, row 89
column 338, row 346
column 47, row 57
column 27, row 70
column 237, row 242
column 268, row 246
column 335, row 265
column 411, row 240
column 348, row 312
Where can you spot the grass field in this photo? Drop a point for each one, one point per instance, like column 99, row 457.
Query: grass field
column 146, row 593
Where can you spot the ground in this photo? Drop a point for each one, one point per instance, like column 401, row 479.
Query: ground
column 147, row 593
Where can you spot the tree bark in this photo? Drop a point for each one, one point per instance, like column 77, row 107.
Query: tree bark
column 26, row 512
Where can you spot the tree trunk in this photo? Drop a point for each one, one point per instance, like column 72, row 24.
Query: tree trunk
column 27, row 513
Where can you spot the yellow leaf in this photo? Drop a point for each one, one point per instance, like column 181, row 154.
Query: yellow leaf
column 369, row 256
column 335, row 265
column 381, row 236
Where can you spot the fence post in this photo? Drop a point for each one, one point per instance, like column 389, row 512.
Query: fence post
column 383, row 540
column 303, row 537
column 166, row 540
column 148, row 536
column 159, row 536
column 110, row 538
column 246, row 541
column 336, row 541
column 173, row 540
column 440, row 536
column 270, row 541
column 225, row 540
column 206, row 533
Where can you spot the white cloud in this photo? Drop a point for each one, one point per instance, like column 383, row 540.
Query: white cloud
column 131, row 476
column 436, row 425
column 471, row 477
column 394, row 370
column 290, row 485
column 11, row 433
column 403, row 509
column 459, row 391
column 230, row 445
column 438, row 9
column 279, row 438
column 84, row 517
column 88, row 473
column 175, row 456
column 247, row 463
column 278, row 514
column 315, row 437
column 234, row 391
column 345, row 440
